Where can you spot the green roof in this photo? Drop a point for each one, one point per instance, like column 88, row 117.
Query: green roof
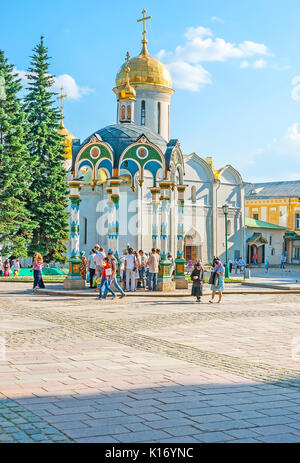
column 292, row 235
column 260, row 224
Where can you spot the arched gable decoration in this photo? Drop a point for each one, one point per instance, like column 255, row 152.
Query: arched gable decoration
column 193, row 157
column 174, row 154
column 230, row 175
column 97, row 154
column 146, row 156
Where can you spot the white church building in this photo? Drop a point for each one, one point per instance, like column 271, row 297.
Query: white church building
column 132, row 184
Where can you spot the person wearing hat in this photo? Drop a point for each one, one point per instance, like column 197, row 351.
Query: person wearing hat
column 197, row 277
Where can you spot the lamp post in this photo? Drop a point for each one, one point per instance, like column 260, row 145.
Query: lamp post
column 225, row 210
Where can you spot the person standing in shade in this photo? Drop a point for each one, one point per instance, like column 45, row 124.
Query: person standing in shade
column 230, row 265
column 236, row 265
column 153, row 270
column 142, row 260
column 282, row 261
column 1, row 267
column 92, row 266
column 266, row 266
column 197, row 277
column 130, row 266
column 16, row 267
column 218, row 286
column 241, row 264
column 6, row 268
column 255, row 257
column 113, row 278
column 37, row 271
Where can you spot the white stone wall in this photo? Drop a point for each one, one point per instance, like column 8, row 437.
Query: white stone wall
column 151, row 98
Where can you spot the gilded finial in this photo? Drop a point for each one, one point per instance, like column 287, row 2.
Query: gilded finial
column 144, row 41
column 127, row 68
column 127, row 91
column 61, row 97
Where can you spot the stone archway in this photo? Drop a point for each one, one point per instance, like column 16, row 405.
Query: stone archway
column 192, row 246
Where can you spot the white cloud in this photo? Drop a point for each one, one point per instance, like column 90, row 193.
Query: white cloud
column 249, row 48
column 188, row 76
column 259, row 64
column 201, row 46
column 217, row 19
column 67, row 82
column 293, row 134
column 244, row 64
column 72, row 89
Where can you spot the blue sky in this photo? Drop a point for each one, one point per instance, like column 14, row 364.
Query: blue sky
column 235, row 68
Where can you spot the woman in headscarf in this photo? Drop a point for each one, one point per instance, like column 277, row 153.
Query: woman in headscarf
column 218, row 285
column 197, row 277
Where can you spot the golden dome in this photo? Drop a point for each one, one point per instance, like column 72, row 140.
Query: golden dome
column 126, row 92
column 68, row 140
column 144, row 69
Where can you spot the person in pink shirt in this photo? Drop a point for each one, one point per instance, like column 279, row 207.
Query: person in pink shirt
column 37, row 271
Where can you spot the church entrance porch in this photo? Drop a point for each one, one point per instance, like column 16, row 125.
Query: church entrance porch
column 256, row 245
column 192, row 246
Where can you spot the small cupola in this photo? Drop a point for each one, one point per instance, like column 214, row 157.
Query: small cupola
column 126, row 98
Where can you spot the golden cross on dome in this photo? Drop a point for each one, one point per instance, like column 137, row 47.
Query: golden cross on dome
column 144, row 19
column 61, row 97
column 127, row 60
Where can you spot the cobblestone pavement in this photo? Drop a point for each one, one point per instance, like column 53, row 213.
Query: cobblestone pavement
column 137, row 370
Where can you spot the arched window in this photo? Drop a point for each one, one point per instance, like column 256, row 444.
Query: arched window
column 193, row 192
column 129, row 112
column 123, row 112
column 143, row 112
column 84, row 230
column 158, row 118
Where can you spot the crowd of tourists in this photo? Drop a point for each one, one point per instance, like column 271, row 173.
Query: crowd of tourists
column 138, row 269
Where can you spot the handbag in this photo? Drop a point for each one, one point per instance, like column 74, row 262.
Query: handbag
column 216, row 282
column 212, row 278
column 108, row 272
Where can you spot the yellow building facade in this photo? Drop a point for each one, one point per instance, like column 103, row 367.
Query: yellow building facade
column 279, row 211
column 278, row 203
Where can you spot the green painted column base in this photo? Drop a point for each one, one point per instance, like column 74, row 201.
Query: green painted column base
column 74, row 280
column 165, row 282
column 180, row 281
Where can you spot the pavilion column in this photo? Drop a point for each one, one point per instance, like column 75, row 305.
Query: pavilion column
column 115, row 197
column 110, row 206
column 181, row 282
column 155, row 192
column 165, row 282
column 73, row 280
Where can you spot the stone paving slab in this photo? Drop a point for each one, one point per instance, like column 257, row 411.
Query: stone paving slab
column 139, row 372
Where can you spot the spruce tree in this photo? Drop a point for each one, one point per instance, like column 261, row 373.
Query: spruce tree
column 45, row 144
column 16, row 222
